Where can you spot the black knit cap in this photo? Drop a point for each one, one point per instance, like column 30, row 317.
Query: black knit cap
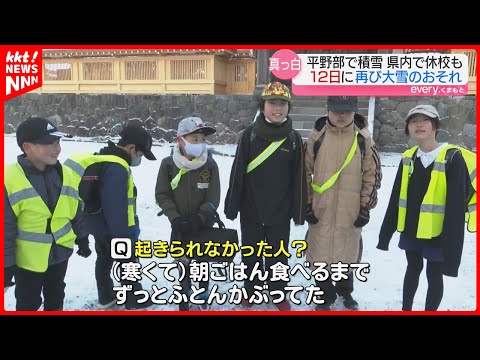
column 38, row 130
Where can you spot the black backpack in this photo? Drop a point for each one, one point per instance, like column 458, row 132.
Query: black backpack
column 89, row 188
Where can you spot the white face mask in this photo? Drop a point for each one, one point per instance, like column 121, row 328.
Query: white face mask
column 194, row 150
column 136, row 161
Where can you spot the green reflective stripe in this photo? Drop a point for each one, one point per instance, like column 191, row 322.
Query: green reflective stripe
column 75, row 166
column 69, row 191
column 79, row 162
column 34, row 237
column 44, row 238
column 406, row 161
column 62, row 231
column 402, row 203
column 329, row 183
column 176, row 180
column 264, row 155
column 473, row 176
column 472, row 207
column 32, row 245
column 439, row 166
column 22, row 195
column 31, row 193
column 430, row 208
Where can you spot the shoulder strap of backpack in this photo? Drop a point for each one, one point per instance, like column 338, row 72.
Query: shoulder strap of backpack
column 293, row 139
column 361, row 144
column 448, row 157
column 448, row 160
column 169, row 162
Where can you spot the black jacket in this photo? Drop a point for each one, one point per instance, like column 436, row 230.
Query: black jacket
column 275, row 191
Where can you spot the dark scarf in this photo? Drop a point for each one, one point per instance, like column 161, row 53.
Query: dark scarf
column 272, row 132
column 112, row 149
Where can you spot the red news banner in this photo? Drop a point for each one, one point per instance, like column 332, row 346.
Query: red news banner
column 21, row 70
column 416, row 74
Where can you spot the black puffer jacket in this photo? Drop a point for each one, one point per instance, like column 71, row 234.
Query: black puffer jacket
column 275, row 191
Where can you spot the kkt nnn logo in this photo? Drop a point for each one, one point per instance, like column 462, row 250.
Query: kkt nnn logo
column 21, row 72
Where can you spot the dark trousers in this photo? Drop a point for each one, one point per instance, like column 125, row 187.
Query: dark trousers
column 331, row 289
column 186, row 282
column 103, row 268
column 412, row 276
column 30, row 286
column 254, row 233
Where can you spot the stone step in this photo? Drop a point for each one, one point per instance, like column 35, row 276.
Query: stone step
column 307, row 109
column 304, row 133
column 310, row 118
column 304, row 110
column 320, row 101
column 305, row 117
column 319, row 104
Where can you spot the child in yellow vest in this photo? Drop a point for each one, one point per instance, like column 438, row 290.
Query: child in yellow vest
column 429, row 215
column 43, row 219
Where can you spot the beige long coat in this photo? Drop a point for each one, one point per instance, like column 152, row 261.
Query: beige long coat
column 334, row 238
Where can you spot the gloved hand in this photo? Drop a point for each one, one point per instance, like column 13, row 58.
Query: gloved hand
column 181, row 224
column 383, row 243
column 363, row 218
column 9, row 272
column 83, row 248
column 230, row 215
column 310, row 216
column 136, row 229
column 381, row 246
column 195, row 223
column 136, row 232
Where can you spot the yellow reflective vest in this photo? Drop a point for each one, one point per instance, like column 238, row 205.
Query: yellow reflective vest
column 432, row 209
column 32, row 245
column 79, row 162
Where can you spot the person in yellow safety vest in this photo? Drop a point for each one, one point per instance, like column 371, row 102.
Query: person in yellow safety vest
column 427, row 207
column 268, row 188
column 116, row 216
column 43, row 218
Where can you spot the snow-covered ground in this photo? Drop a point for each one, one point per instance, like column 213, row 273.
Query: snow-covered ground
column 381, row 292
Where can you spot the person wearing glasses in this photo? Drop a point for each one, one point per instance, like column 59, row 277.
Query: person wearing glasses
column 430, row 196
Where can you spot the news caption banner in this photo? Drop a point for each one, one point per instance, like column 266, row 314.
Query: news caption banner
column 413, row 74
column 175, row 271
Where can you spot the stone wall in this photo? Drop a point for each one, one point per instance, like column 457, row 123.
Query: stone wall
column 99, row 116
column 457, row 116
column 86, row 115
